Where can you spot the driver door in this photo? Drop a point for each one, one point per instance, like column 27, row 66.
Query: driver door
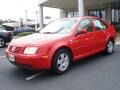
column 84, row 43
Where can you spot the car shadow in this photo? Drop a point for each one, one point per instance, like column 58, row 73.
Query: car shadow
column 20, row 73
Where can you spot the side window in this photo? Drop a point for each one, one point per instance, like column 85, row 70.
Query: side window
column 99, row 25
column 86, row 24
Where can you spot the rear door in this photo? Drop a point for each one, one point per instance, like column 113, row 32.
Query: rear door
column 100, row 34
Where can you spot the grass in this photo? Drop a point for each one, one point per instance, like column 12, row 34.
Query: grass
column 24, row 34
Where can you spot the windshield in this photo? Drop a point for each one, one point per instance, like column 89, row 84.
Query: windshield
column 59, row 27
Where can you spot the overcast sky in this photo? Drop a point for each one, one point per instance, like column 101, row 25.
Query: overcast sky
column 15, row 9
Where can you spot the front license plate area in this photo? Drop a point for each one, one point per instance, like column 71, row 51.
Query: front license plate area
column 11, row 58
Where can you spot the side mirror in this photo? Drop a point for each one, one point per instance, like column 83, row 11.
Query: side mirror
column 81, row 31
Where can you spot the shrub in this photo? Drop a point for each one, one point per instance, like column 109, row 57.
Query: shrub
column 117, row 28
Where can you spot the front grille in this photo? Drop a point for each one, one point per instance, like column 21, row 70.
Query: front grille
column 14, row 49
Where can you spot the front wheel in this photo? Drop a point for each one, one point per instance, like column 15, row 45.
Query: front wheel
column 61, row 61
column 109, row 47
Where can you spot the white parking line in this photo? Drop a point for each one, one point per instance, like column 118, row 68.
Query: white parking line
column 33, row 76
column 2, row 57
column 117, row 43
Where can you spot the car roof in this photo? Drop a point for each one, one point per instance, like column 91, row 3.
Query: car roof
column 82, row 17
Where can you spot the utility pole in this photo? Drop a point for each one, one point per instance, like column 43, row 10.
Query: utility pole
column 101, row 8
column 26, row 17
column 41, row 16
column 36, row 21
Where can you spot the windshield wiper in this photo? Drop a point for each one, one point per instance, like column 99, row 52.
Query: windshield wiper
column 47, row 32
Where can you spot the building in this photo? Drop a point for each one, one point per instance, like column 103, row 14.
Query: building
column 106, row 9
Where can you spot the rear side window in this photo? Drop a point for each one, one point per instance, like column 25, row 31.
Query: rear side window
column 86, row 24
column 99, row 25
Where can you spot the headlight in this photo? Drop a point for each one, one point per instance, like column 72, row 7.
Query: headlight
column 30, row 50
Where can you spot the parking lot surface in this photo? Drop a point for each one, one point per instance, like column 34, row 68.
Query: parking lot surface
column 98, row 72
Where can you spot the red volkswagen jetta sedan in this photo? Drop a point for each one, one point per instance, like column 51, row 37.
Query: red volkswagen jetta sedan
column 62, row 42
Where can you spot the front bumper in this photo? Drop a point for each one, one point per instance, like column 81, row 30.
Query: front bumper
column 30, row 61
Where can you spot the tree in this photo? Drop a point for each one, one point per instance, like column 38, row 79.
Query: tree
column 1, row 22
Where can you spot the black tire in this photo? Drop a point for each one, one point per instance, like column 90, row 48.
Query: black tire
column 56, row 59
column 2, row 42
column 110, row 44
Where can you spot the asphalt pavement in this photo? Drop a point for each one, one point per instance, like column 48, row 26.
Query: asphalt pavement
column 98, row 72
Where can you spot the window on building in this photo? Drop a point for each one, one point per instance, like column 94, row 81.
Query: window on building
column 70, row 14
column 113, row 15
column 96, row 12
column 76, row 14
column 115, row 6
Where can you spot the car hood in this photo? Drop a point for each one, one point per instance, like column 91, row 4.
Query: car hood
column 37, row 39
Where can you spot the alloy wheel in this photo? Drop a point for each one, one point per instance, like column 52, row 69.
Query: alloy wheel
column 63, row 62
column 110, row 47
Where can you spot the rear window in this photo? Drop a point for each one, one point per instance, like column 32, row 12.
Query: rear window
column 99, row 25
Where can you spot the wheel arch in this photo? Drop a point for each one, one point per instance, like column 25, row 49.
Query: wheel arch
column 62, row 47
column 57, row 49
column 66, row 48
column 111, row 38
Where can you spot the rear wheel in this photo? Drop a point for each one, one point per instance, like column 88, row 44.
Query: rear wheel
column 109, row 47
column 61, row 61
column 2, row 42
